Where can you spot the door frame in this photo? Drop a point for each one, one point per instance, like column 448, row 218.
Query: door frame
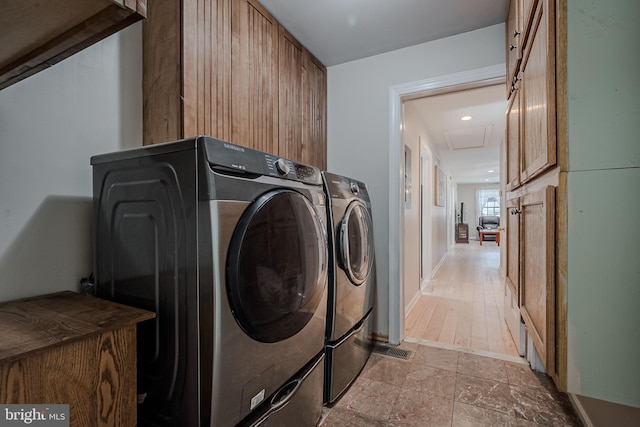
column 397, row 95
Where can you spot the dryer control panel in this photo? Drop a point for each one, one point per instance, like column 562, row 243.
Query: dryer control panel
column 231, row 157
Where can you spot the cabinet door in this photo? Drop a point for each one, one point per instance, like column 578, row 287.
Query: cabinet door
column 302, row 101
column 513, row 140
column 291, row 66
column 537, row 271
column 254, row 81
column 314, row 113
column 513, row 246
column 537, row 96
column 512, row 36
column 162, row 66
column 206, row 50
column 525, row 17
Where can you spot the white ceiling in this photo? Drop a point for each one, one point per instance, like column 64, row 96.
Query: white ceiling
column 338, row 31
column 470, row 149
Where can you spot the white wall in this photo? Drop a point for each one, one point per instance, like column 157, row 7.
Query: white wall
column 358, row 120
column 416, row 136
column 50, row 125
column 603, row 200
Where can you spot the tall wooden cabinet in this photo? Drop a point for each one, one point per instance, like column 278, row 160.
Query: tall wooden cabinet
column 533, row 176
column 228, row 69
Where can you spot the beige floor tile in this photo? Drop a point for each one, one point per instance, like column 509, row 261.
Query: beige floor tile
column 483, row 367
column 543, row 407
column 465, row 415
column 443, row 387
column 421, row 409
column 484, row 393
column 371, row 398
column 426, row 379
column 342, row 417
column 388, row 370
column 437, row 358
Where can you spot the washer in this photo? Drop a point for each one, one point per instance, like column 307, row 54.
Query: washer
column 228, row 246
column 351, row 282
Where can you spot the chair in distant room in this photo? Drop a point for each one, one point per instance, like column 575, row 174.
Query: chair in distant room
column 488, row 223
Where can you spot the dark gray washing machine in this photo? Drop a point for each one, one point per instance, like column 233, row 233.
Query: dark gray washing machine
column 351, row 283
column 227, row 245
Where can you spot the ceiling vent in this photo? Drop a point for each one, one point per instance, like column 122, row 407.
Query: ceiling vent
column 476, row 137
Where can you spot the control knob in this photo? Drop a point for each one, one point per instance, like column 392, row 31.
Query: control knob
column 282, row 166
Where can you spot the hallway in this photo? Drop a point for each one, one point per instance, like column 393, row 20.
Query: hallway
column 462, row 306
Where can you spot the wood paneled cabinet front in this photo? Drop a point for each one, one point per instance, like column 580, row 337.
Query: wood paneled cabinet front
column 537, row 271
column 531, row 115
column 302, row 103
column 512, row 276
column 227, row 69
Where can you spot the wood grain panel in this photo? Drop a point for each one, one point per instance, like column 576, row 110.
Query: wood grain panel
column 162, row 73
column 538, row 135
column 537, row 295
column 512, row 274
column 100, row 388
column 291, row 71
column 207, row 68
column 513, row 31
column 314, row 122
column 513, row 141
column 67, row 348
column 526, row 12
column 254, row 66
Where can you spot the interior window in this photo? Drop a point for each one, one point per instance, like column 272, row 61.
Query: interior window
column 489, row 202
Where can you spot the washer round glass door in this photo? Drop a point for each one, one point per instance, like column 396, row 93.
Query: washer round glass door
column 356, row 242
column 277, row 266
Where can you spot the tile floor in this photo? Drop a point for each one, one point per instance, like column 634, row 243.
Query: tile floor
column 445, row 387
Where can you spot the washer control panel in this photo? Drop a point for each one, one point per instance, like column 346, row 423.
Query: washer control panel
column 227, row 156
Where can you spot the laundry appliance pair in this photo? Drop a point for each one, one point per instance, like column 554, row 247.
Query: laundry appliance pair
column 229, row 247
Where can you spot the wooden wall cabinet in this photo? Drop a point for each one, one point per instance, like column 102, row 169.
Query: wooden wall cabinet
column 531, row 123
column 38, row 34
column 227, row 69
column 533, row 175
column 67, row 348
column 302, row 103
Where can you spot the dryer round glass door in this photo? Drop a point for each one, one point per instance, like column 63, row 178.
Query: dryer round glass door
column 356, row 242
column 277, row 266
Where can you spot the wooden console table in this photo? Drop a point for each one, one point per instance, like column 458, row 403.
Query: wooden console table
column 489, row 233
column 67, row 348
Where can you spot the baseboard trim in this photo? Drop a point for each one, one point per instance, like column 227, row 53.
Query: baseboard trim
column 411, row 304
column 584, row 417
column 437, row 267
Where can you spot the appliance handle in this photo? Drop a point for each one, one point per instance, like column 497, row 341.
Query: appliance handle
column 285, row 394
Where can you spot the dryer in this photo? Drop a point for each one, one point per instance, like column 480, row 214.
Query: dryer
column 228, row 246
column 351, row 282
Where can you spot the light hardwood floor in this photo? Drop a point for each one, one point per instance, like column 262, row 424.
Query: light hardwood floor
column 463, row 304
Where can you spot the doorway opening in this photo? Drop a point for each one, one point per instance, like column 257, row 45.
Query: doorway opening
column 398, row 308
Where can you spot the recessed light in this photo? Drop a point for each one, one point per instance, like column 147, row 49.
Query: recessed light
column 491, row 171
column 465, row 118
